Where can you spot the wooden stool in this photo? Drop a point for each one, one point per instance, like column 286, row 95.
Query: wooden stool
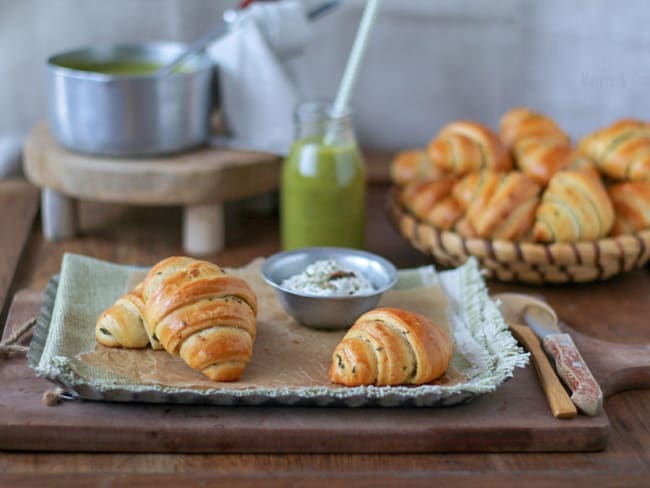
column 200, row 181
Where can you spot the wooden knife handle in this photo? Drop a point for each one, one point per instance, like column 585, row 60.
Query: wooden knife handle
column 575, row 373
column 558, row 399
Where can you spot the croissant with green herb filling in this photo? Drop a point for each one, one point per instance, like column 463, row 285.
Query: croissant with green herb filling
column 522, row 124
column 463, row 146
column 622, row 150
column 413, row 165
column 123, row 324
column 574, row 207
column 497, row 205
column 631, row 201
column 432, row 202
column 541, row 160
column 202, row 314
column 391, row 346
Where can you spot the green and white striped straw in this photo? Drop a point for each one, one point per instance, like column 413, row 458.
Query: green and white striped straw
column 346, row 85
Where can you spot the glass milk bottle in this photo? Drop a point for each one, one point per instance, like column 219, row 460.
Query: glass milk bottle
column 323, row 185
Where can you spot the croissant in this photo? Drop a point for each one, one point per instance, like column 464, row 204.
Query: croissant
column 622, row 150
column 123, row 323
column 445, row 214
column 203, row 315
column 496, row 205
column 390, row 346
column 413, row 165
column 541, row 159
column 469, row 188
column 523, row 124
column 574, row 207
column 462, row 147
column 631, row 201
column 432, row 202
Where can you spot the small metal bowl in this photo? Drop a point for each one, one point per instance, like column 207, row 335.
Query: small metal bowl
column 328, row 312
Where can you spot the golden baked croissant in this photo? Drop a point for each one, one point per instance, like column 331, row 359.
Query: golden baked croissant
column 574, row 207
column 413, row 165
column 541, row 159
column 432, row 202
column 123, row 323
column 622, row 150
column 470, row 187
column 631, row 201
column 522, row 124
column 390, row 346
column 462, row 147
column 203, row 315
column 496, row 205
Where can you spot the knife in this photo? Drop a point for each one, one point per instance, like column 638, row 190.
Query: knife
column 569, row 364
column 558, row 400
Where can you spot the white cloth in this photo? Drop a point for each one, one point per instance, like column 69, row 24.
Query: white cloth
column 284, row 26
column 257, row 96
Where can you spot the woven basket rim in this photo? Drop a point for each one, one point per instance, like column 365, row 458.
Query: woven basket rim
column 524, row 261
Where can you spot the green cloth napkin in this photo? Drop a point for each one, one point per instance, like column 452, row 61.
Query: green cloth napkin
column 485, row 351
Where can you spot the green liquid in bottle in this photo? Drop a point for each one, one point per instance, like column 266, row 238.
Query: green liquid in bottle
column 323, row 195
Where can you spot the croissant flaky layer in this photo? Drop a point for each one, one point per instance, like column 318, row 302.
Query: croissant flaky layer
column 522, row 124
column 504, row 206
column 202, row 314
column 574, row 207
column 433, row 202
column 465, row 146
column 622, row 150
column 631, row 202
column 123, row 324
column 541, row 160
column 390, row 346
column 413, row 165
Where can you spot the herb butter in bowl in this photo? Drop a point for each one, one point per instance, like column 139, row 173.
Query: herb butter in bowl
column 328, row 287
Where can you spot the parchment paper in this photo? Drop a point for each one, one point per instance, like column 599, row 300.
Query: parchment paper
column 285, row 354
column 484, row 350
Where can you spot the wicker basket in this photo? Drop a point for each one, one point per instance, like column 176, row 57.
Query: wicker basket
column 526, row 262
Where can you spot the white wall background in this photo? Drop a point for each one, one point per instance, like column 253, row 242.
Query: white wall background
column 585, row 62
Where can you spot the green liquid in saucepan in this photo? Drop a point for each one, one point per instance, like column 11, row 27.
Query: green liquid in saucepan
column 115, row 67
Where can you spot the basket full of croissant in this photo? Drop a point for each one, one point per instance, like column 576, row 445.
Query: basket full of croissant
column 527, row 203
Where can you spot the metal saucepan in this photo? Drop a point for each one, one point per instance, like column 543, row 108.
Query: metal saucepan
column 111, row 101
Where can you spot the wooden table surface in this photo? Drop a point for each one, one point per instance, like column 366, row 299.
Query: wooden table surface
column 617, row 310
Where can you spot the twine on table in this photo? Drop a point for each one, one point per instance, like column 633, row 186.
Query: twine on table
column 54, row 396
column 10, row 347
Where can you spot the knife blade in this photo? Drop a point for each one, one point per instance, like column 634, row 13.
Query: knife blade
column 569, row 363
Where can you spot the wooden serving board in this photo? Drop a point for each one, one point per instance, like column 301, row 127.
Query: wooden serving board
column 516, row 417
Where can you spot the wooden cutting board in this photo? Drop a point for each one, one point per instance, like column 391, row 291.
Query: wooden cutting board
column 516, row 417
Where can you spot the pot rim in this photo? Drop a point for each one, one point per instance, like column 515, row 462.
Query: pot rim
column 198, row 63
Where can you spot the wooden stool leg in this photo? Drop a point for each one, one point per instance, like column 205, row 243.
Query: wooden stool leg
column 58, row 215
column 203, row 229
